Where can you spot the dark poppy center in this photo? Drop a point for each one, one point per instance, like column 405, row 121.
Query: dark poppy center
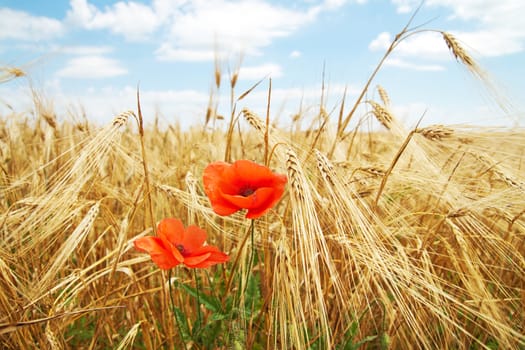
column 245, row 192
column 180, row 248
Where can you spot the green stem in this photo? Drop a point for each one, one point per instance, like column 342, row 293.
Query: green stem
column 199, row 316
column 252, row 254
column 173, row 310
column 237, row 297
column 237, row 258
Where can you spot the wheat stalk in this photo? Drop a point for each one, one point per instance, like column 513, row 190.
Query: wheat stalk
column 129, row 338
column 52, row 339
column 313, row 258
column 438, row 263
column 65, row 251
column 500, row 174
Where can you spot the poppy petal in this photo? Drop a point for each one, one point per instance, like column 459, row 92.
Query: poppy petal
column 217, row 178
column 251, row 172
column 154, row 246
column 254, row 213
column 279, row 184
column 214, row 256
column 215, row 186
column 194, row 238
column 242, row 185
column 195, row 261
column 231, row 182
column 171, row 230
column 213, row 171
column 218, row 257
column 214, row 259
column 279, row 181
column 255, row 200
column 206, row 249
column 223, row 207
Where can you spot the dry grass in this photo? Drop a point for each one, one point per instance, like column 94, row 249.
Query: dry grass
column 403, row 239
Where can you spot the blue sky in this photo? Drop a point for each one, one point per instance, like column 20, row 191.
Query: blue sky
column 89, row 55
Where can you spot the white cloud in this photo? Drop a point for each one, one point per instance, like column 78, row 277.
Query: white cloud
column 188, row 106
column 167, row 52
column 133, row 20
column 190, row 29
column 491, row 43
column 243, row 26
column 103, row 104
column 286, row 102
column 501, row 25
column 91, row 67
column 294, row 98
column 428, row 45
column 409, row 114
column 23, row 26
column 85, row 50
column 81, row 13
column 431, row 46
column 270, row 70
column 295, row 54
column 508, row 12
column 484, row 11
column 405, row 6
column 333, row 4
column 500, row 28
column 399, row 63
column 381, row 42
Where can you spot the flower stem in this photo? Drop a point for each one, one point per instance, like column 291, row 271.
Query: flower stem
column 239, row 253
column 173, row 310
column 252, row 254
column 243, row 278
column 199, row 316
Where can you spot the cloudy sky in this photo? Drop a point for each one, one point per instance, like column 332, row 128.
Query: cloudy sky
column 90, row 55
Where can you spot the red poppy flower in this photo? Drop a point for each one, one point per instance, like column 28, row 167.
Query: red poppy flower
column 176, row 245
column 242, row 185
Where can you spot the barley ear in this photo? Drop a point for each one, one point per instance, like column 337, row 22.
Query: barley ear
column 382, row 114
column 253, row 119
column 435, row 132
column 383, row 95
column 458, row 51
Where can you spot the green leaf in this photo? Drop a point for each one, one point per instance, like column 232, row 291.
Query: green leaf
column 364, row 340
column 182, row 323
column 211, row 303
column 217, row 316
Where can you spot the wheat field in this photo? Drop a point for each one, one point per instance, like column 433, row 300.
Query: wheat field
column 394, row 238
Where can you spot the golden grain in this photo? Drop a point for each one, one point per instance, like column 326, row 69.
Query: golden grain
column 457, row 50
column 383, row 95
column 415, row 237
column 382, row 114
column 436, row 132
